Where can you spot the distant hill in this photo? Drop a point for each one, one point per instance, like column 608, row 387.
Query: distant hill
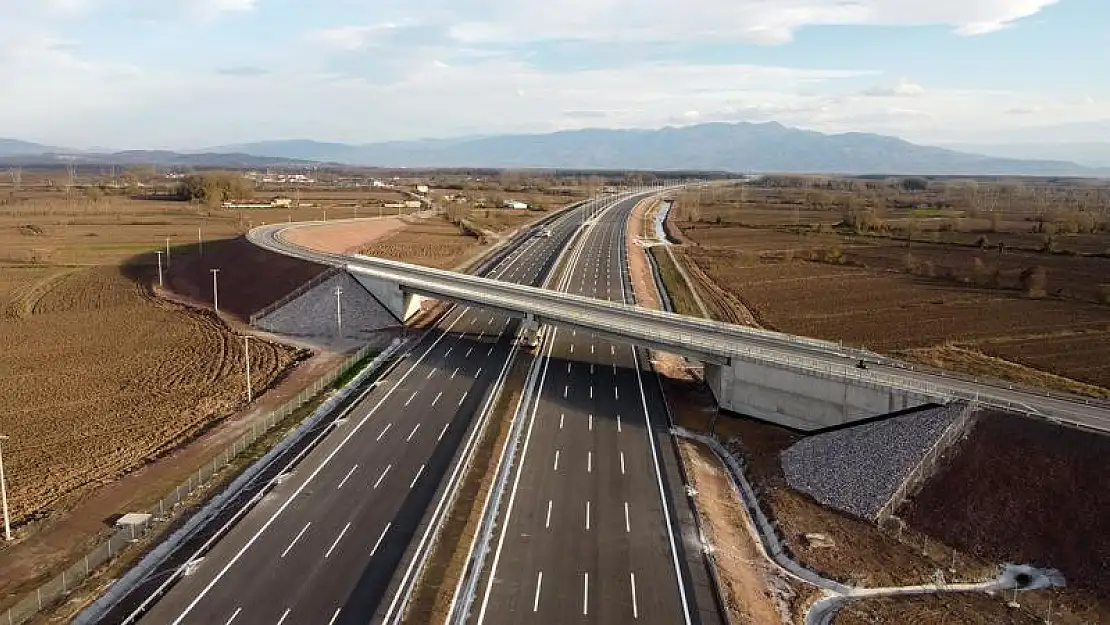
column 737, row 147
column 1086, row 153
column 15, row 147
column 766, row 147
column 163, row 158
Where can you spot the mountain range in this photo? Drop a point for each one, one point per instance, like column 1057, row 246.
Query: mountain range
column 736, row 147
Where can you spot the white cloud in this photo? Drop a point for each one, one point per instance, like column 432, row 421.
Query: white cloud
column 208, row 9
column 903, row 89
column 349, row 38
column 755, row 21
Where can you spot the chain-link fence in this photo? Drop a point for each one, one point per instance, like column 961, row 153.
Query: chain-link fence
column 61, row 585
column 925, row 468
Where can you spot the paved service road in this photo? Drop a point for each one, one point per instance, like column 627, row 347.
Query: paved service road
column 588, row 521
column 322, row 546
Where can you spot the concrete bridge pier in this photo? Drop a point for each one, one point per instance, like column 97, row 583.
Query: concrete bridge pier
column 805, row 400
column 393, row 296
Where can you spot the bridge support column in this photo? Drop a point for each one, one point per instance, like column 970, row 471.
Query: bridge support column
column 401, row 304
column 805, row 400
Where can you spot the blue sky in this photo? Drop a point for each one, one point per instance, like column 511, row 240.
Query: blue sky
column 195, row 73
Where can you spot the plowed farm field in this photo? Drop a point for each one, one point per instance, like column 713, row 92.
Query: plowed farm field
column 946, row 292
column 432, row 242
column 99, row 377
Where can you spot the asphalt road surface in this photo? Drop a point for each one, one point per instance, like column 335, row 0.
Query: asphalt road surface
column 590, row 522
column 322, row 546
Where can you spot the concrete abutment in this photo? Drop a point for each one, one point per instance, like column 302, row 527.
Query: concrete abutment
column 804, row 400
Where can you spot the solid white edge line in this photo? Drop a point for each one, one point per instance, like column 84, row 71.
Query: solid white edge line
column 308, row 480
column 334, row 616
column 284, row 616
column 497, row 385
column 500, row 381
column 516, row 482
column 233, row 615
column 649, row 431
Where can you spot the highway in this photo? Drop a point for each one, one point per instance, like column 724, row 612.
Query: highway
column 323, row 545
column 589, row 531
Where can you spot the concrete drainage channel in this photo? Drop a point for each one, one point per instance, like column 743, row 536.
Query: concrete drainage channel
column 836, row 594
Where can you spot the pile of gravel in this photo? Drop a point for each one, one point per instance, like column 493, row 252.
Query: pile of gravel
column 312, row 315
column 857, row 469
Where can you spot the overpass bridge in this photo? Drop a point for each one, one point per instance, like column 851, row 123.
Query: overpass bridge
column 794, row 381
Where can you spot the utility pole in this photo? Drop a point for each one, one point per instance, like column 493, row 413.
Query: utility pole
column 167, row 252
column 159, row 254
column 247, row 365
column 339, row 311
column 200, row 241
column 4, row 494
column 215, row 292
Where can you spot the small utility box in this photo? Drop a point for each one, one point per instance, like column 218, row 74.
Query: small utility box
column 134, row 521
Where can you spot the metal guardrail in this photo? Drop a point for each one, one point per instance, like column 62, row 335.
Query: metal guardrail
column 689, row 334
column 700, row 336
column 162, row 512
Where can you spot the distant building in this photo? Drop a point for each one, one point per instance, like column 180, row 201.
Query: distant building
column 413, row 203
column 282, row 202
column 378, row 184
column 513, row 204
column 393, row 205
column 422, row 188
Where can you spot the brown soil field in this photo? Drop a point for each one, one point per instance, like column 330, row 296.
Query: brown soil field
column 84, row 407
column 861, row 553
column 342, row 238
column 432, row 242
column 911, row 291
column 1022, row 490
column 103, row 381
column 498, row 220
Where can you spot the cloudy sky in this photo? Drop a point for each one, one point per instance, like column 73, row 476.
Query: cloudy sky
column 195, row 73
